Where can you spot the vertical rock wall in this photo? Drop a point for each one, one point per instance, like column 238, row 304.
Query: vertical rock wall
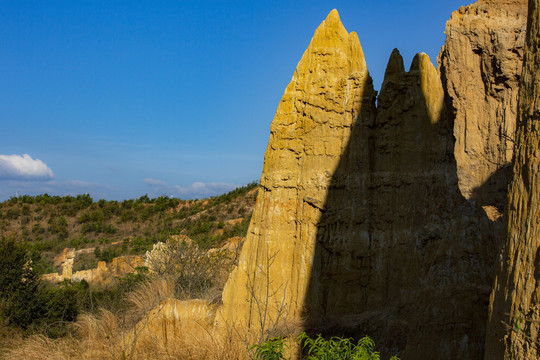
column 514, row 322
column 400, row 254
column 330, row 93
column 480, row 66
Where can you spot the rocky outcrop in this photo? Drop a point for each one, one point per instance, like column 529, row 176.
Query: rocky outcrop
column 512, row 6
column 480, row 66
column 400, row 254
column 385, row 220
column 514, row 322
column 330, row 93
column 67, row 253
column 101, row 275
column 123, row 265
column 360, row 223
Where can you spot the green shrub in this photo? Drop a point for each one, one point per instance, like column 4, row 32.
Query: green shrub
column 140, row 245
column 18, row 284
column 57, row 308
column 12, row 214
column 24, row 302
column 107, row 255
column 272, row 349
column 338, row 348
column 37, row 229
column 335, row 348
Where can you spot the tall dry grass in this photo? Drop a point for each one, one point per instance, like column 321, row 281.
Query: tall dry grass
column 108, row 335
column 132, row 334
column 101, row 337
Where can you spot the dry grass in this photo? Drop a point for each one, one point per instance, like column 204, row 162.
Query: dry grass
column 108, row 335
column 148, row 295
column 101, row 337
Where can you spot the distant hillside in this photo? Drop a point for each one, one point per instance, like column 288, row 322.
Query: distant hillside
column 48, row 224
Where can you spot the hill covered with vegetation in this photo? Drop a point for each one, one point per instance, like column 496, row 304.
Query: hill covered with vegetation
column 48, row 224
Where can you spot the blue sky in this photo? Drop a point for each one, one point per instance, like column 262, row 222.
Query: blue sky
column 122, row 98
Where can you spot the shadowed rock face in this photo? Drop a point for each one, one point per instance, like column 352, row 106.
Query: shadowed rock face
column 516, row 294
column 361, row 225
column 400, row 255
column 480, row 66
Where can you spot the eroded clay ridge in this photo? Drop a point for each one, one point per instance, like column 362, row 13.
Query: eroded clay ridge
column 360, row 224
column 514, row 319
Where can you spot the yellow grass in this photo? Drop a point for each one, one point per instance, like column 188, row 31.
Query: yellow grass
column 111, row 336
column 101, row 337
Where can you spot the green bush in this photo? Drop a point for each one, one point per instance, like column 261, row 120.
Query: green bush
column 34, row 306
column 18, row 284
column 57, row 308
column 272, row 349
column 107, row 255
column 12, row 214
column 335, row 348
column 339, row 348
column 24, row 302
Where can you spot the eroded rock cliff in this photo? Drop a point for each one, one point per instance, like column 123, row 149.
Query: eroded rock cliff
column 480, row 66
column 365, row 221
column 400, row 254
column 330, row 93
column 514, row 322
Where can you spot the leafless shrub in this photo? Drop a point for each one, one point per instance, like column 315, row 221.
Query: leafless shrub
column 194, row 271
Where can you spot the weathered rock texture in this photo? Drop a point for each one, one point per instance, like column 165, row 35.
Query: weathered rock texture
column 364, row 223
column 400, row 254
column 354, row 224
column 515, row 312
column 330, row 92
column 480, row 66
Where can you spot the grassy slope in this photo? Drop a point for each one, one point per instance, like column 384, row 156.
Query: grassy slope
column 51, row 223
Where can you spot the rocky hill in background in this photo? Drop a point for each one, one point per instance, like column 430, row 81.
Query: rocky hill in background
column 102, row 230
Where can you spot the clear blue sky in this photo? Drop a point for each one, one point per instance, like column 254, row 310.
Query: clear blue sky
column 122, row 98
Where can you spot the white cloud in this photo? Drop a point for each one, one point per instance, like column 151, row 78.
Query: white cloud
column 195, row 190
column 24, row 168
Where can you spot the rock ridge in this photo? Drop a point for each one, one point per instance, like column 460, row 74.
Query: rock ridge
column 330, row 92
column 372, row 217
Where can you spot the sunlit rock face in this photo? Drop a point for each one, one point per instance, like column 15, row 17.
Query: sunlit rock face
column 362, row 225
column 330, row 93
column 480, row 66
column 515, row 307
